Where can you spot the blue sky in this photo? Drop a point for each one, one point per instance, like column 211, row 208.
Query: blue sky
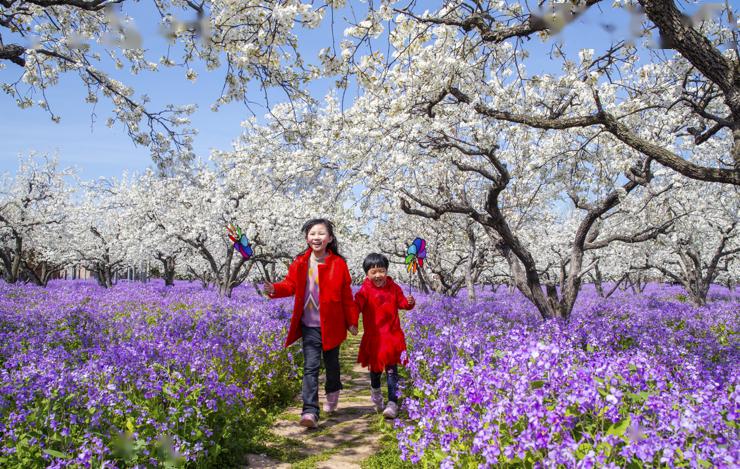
column 96, row 150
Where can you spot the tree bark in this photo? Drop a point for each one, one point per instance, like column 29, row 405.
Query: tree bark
column 16, row 263
column 598, row 281
column 41, row 273
column 422, row 281
column 470, row 265
column 168, row 268
column 103, row 275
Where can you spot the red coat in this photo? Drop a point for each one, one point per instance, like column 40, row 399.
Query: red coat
column 383, row 339
column 336, row 308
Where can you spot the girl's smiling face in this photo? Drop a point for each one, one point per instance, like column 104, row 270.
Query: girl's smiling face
column 377, row 275
column 318, row 238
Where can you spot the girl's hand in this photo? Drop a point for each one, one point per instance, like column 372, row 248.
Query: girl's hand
column 411, row 300
column 269, row 289
column 352, row 330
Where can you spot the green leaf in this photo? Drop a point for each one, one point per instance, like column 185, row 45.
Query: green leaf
column 619, row 429
column 536, row 384
column 56, row 454
column 583, row 450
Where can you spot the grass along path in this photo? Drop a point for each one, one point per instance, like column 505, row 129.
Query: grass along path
column 343, row 439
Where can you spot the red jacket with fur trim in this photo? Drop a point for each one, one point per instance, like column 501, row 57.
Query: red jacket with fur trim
column 383, row 339
column 336, row 307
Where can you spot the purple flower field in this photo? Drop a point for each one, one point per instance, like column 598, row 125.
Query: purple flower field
column 142, row 375
column 137, row 375
column 633, row 381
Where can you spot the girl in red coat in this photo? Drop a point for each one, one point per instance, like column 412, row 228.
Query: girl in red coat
column 378, row 300
column 323, row 311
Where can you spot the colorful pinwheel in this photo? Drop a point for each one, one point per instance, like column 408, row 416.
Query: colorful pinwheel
column 239, row 238
column 415, row 255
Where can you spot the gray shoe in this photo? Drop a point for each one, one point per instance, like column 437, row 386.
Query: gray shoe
column 332, row 401
column 391, row 410
column 377, row 397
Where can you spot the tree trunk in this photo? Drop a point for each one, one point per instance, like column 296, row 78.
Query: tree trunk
column 636, row 283
column 695, row 284
column 422, row 282
column 12, row 261
column 615, row 286
column 104, row 275
column 41, row 273
column 7, row 266
column 598, row 281
column 527, row 281
column 168, row 270
column 16, row 266
column 470, row 287
column 698, row 296
column 225, row 290
column 266, row 278
column 231, row 277
column 470, row 265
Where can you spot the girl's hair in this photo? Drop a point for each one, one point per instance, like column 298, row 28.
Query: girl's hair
column 333, row 246
column 375, row 260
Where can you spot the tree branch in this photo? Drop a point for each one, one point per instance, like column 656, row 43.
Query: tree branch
column 619, row 130
column 639, row 237
column 14, row 53
column 490, row 31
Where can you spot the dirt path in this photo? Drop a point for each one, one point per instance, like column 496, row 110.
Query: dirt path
column 342, row 440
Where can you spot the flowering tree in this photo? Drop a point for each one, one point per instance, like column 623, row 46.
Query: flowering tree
column 104, row 236
column 452, row 122
column 696, row 90
column 33, row 211
column 195, row 215
column 152, row 203
column 286, row 173
column 51, row 253
column 705, row 243
column 483, row 170
column 200, row 205
column 249, row 39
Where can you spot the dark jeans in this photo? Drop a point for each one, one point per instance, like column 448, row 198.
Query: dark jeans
column 391, row 373
column 311, row 364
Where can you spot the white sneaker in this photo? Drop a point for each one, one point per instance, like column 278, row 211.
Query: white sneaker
column 391, row 410
column 309, row 420
column 376, row 395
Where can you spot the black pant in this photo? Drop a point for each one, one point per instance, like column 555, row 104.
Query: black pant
column 311, row 363
column 391, row 372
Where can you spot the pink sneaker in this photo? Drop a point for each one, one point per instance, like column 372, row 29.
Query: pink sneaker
column 377, row 397
column 309, row 421
column 391, row 410
column 332, row 401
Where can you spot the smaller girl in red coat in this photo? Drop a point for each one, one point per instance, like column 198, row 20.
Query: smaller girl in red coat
column 378, row 300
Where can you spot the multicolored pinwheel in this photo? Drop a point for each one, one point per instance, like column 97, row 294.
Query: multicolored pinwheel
column 239, row 238
column 415, row 255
